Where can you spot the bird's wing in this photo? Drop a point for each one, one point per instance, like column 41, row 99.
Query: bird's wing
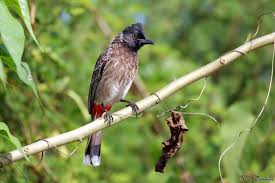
column 96, row 77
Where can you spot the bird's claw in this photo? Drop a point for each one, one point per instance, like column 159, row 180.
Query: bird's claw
column 135, row 109
column 108, row 118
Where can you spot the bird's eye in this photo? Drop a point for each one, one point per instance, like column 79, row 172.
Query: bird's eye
column 135, row 35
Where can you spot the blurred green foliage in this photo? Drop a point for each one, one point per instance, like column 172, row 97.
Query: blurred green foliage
column 188, row 34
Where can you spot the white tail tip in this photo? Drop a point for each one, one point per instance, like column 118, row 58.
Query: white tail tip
column 86, row 160
column 95, row 161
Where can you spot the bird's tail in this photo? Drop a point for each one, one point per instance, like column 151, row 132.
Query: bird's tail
column 92, row 152
column 93, row 147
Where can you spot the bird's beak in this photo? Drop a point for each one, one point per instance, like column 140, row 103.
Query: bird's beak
column 146, row 41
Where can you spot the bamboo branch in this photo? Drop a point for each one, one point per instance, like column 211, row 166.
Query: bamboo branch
column 144, row 104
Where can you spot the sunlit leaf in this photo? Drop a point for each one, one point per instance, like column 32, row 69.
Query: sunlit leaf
column 12, row 34
column 26, row 17
column 21, row 8
column 13, row 38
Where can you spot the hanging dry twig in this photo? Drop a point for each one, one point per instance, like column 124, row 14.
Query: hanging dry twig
column 178, row 128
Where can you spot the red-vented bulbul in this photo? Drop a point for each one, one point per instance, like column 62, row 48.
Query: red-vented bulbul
column 112, row 78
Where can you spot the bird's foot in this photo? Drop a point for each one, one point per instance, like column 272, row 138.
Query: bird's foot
column 108, row 118
column 135, row 109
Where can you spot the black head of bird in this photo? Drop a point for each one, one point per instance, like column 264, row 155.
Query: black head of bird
column 133, row 36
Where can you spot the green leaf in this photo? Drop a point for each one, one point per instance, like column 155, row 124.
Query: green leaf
column 22, row 9
column 12, row 34
column 25, row 75
column 5, row 132
column 2, row 74
column 13, row 37
column 248, row 38
column 14, row 6
column 26, row 17
column 9, row 62
column 237, row 119
column 77, row 99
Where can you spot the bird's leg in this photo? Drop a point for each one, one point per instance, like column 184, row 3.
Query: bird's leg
column 134, row 106
column 108, row 118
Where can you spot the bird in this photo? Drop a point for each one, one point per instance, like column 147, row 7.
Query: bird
column 112, row 77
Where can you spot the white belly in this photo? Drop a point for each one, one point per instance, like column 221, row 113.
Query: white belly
column 112, row 91
column 115, row 83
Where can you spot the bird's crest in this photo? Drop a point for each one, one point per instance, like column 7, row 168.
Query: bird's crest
column 133, row 27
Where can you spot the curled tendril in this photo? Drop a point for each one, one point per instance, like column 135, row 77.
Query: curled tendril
column 202, row 114
column 193, row 99
column 249, row 130
column 61, row 152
